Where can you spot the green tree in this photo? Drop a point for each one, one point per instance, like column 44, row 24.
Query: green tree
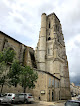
column 28, row 78
column 14, row 73
column 3, row 75
column 6, row 56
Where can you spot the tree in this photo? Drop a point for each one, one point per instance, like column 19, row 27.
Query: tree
column 3, row 75
column 28, row 78
column 6, row 56
column 14, row 73
column 25, row 76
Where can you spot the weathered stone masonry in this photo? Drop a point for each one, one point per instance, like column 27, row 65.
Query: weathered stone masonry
column 49, row 60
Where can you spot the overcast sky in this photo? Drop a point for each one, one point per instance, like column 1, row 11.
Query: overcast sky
column 21, row 20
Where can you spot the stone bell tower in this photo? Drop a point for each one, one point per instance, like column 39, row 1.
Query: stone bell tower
column 51, row 53
column 41, row 46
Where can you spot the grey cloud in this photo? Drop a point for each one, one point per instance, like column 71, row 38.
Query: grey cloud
column 74, row 64
column 76, row 79
column 26, row 29
column 77, row 43
column 11, row 1
column 70, row 32
column 71, row 22
column 46, row 7
column 25, row 15
column 18, row 20
column 75, row 15
column 4, row 10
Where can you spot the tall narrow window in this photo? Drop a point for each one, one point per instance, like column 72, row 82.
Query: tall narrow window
column 49, row 24
column 49, row 82
column 53, row 82
column 48, row 51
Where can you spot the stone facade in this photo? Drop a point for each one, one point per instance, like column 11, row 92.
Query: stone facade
column 50, row 52
column 24, row 53
column 47, row 87
column 49, row 60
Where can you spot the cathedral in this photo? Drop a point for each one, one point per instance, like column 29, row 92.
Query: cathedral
column 49, row 59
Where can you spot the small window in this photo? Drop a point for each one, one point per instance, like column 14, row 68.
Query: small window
column 53, row 82
column 49, row 38
column 56, row 84
column 49, row 25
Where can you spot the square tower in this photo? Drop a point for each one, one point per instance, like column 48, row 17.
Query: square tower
column 51, row 54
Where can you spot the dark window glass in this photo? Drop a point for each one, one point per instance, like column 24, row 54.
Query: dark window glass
column 49, row 24
column 30, row 94
column 5, row 95
column 49, row 38
column 9, row 94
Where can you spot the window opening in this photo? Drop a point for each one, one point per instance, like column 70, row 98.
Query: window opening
column 53, row 82
column 49, row 82
column 49, row 24
column 49, row 38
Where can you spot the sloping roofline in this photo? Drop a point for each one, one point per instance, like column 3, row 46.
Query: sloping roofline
column 14, row 39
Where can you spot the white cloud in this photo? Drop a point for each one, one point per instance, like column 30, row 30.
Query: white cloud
column 21, row 20
column 73, row 53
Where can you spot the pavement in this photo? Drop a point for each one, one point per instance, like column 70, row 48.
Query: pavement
column 56, row 103
column 40, row 103
column 43, row 103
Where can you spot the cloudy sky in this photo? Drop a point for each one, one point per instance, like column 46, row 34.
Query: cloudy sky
column 21, row 20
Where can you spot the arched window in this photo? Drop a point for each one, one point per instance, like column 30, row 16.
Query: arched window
column 49, row 38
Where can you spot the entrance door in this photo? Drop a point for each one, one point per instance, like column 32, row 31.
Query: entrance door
column 52, row 96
